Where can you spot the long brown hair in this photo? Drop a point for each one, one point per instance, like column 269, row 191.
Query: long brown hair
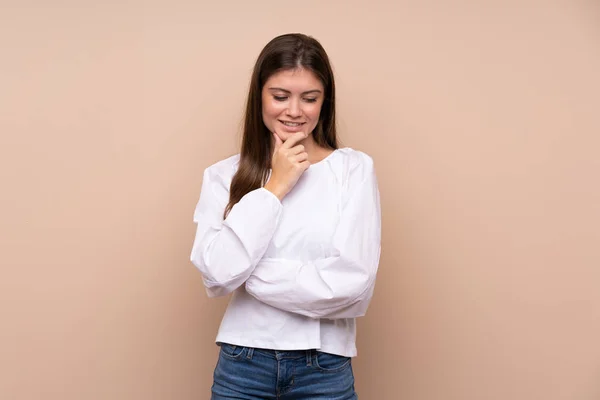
column 289, row 51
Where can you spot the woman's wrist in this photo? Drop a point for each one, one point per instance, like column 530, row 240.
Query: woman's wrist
column 275, row 189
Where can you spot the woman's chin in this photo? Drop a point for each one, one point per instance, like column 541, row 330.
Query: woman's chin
column 286, row 135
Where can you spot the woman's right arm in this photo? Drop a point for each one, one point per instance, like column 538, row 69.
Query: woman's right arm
column 227, row 251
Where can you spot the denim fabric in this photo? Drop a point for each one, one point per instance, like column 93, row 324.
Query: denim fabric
column 246, row 373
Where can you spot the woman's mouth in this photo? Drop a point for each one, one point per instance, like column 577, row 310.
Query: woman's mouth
column 292, row 124
column 292, row 127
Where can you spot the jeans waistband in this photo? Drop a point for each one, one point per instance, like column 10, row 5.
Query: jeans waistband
column 289, row 354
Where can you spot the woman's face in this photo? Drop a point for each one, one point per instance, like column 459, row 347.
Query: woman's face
column 291, row 102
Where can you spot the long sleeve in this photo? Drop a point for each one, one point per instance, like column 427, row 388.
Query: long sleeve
column 339, row 286
column 227, row 251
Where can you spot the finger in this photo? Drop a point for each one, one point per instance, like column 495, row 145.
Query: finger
column 297, row 149
column 301, row 157
column 305, row 164
column 295, row 138
column 278, row 141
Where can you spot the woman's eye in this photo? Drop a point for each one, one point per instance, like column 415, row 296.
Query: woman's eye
column 280, row 98
column 310, row 100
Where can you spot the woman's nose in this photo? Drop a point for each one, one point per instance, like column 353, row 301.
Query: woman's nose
column 294, row 109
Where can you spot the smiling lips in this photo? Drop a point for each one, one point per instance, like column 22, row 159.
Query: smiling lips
column 286, row 123
column 292, row 126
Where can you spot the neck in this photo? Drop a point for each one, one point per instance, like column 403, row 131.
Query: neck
column 315, row 152
column 310, row 146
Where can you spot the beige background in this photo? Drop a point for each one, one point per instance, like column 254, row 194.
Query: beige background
column 482, row 119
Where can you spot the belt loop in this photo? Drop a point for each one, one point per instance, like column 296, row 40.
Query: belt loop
column 250, row 353
column 309, row 358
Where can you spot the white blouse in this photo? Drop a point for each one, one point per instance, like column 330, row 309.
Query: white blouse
column 301, row 270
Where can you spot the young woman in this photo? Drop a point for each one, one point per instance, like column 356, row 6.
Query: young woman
column 291, row 226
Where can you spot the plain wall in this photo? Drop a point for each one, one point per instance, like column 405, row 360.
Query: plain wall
column 482, row 118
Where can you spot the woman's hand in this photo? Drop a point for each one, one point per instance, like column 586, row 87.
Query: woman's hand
column 289, row 162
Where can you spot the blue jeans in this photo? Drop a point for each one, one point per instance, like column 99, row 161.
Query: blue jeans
column 246, row 373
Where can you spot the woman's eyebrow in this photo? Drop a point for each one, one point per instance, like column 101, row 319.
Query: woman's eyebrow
column 287, row 91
